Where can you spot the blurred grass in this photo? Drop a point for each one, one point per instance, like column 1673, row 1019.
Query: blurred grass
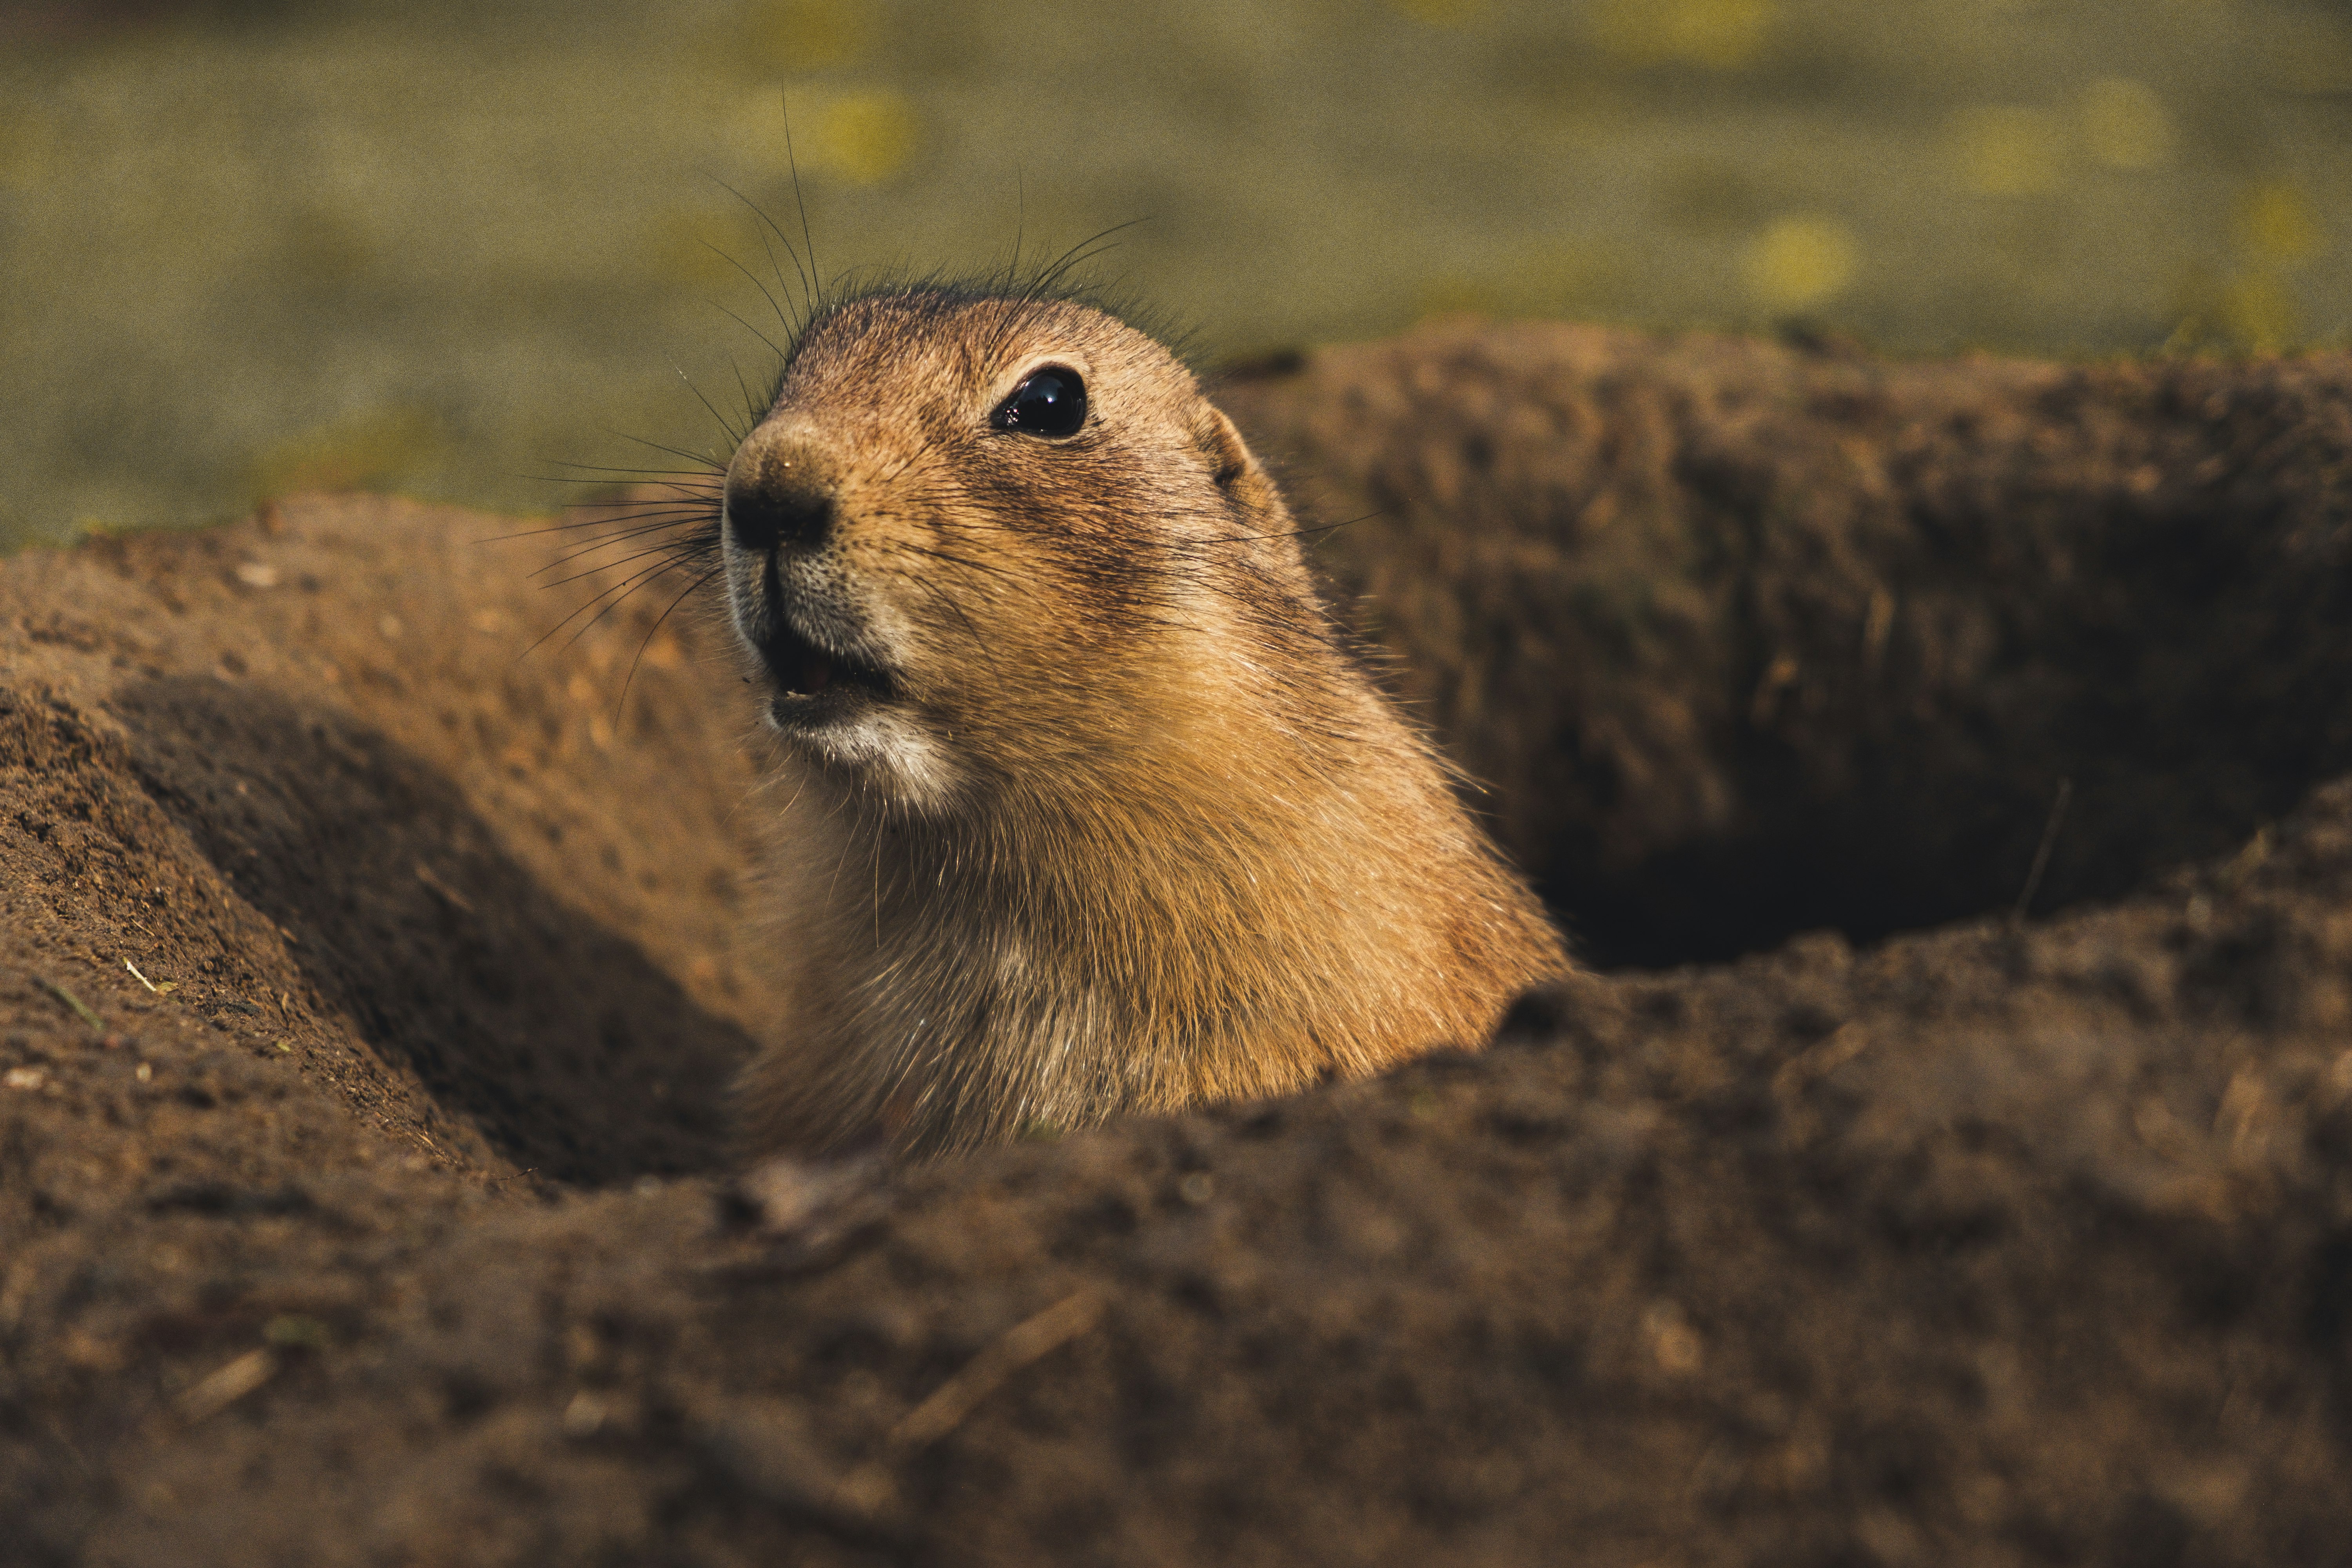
column 246, row 248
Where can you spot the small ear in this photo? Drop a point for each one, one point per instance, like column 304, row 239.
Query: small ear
column 1264, row 531
column 1237, row 472
column 1229, row 455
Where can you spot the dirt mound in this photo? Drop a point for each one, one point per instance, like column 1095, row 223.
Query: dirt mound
column 1750, row 639
column 393, row 1224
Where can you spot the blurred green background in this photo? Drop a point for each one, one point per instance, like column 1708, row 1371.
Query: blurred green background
column 251, row 248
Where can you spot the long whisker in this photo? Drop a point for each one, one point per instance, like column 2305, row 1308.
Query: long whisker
column 654, row 630
column 709, row 465
column 692, row 544
column 609, row 469
column 761, row 214
column 790, row 327
column 666, row 511
column 673, row 553
column 734, row 437
column 623, row 588
column 800, row 200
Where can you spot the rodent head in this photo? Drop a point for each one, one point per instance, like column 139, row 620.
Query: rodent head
column 989, row 543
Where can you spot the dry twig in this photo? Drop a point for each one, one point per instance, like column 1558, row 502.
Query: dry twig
column 867, row 1488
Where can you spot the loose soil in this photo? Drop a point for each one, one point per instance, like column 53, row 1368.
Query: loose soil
column 395, row 1223
column 1748, row 639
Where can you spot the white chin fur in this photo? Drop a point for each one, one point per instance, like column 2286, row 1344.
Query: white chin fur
column 895, row 757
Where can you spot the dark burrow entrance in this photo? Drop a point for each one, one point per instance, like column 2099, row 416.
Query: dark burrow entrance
column 1743, row 640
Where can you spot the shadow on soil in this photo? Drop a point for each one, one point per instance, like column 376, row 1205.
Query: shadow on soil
column 561, row 1042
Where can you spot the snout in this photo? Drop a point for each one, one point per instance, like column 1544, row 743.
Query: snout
column 779, row 494
column 794, row 599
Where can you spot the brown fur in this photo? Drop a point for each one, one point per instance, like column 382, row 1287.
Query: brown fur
column 1125, row 830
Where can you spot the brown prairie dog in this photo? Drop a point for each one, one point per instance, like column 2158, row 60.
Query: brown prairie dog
column 1090, row 812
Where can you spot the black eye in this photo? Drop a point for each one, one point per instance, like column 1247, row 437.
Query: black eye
column 1052, row 402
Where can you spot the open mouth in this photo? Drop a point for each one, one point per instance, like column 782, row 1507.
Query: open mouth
column 804, row 673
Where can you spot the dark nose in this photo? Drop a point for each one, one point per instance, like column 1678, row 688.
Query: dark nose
column 776, row 499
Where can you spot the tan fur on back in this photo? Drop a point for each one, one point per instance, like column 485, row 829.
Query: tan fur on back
column 1129, row 831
